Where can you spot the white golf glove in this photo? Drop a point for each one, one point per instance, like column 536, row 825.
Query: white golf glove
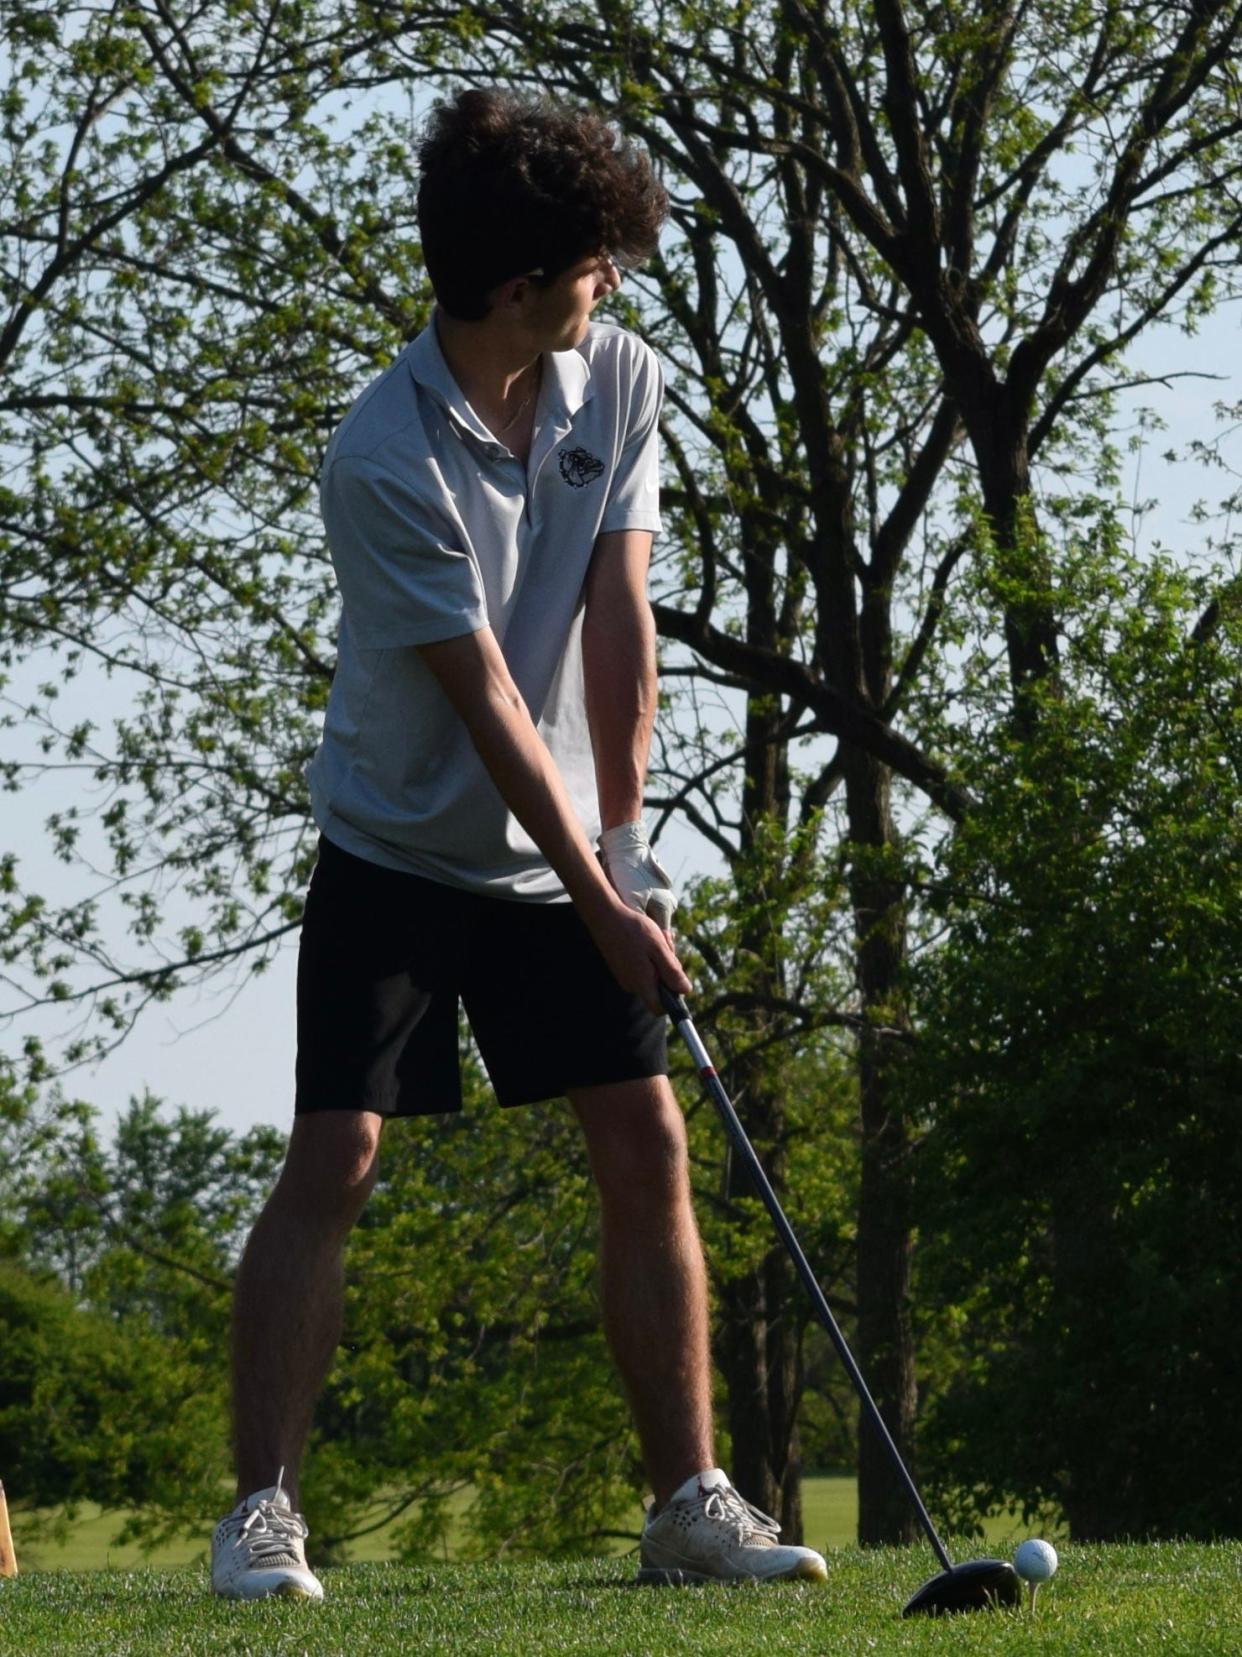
column 635, row 872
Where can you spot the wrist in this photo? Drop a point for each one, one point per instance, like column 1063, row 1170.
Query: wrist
column 592, row 892
column 600, row 907
column 624, row 836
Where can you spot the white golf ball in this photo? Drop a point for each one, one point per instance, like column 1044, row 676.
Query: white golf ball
column 1035, row 1561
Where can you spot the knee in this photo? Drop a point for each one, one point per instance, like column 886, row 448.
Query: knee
column 639, row 1158
column 331, row 1165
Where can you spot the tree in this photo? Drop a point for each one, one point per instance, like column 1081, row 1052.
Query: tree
column 473, row 1360
column 1081, row 1181
column 774, row 922
column 868, row 277
column 887, row 300
column 90, row 1410
column 119, row 1263
column 473, row 1355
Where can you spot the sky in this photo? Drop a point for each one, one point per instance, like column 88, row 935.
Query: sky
column 232, row 1052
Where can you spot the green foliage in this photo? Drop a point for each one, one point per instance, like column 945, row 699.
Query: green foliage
column 184, row 327
column 117, row 1307
column 1078, row 1075
column 211, row 212
column 130, row 1224
column 473, row 1353
column 890, row 239
column 92, row 1407
column 768, row 941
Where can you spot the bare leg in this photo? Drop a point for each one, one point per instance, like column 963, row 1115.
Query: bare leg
column 289, row 1296
column 654, row 1279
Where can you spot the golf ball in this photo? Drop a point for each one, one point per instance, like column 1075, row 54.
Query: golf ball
column 1035, row 1561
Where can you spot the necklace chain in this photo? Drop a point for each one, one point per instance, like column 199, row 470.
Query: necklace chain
column 514, row 418
column 521, row 409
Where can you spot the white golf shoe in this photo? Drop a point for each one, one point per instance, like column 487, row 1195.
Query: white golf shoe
column 257, row 1551
column 708, row 1533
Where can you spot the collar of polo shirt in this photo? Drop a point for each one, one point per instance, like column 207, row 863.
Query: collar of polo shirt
column 566, row 383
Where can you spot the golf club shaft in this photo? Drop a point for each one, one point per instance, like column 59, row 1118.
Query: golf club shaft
column 680, row 1015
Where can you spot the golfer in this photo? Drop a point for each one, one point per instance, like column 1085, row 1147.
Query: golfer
column 490, row 503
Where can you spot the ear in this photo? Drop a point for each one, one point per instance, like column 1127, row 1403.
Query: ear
column 511, row 295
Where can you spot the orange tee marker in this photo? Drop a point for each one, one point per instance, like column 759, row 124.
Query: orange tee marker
column 8, row 1559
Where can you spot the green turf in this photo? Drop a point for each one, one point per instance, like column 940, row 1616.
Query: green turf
column 1106, row 1602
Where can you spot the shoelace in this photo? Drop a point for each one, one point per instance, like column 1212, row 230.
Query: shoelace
column 728, row 1505
column 267, row 1529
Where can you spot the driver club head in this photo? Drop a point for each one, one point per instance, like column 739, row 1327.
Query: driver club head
column 978, row 1585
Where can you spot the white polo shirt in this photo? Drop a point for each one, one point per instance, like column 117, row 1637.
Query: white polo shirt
column 436, row 529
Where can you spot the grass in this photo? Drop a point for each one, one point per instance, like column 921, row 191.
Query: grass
column 830, row 1508
column 1171, row 1598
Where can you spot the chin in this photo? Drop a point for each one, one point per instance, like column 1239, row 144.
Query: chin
column 573, row 337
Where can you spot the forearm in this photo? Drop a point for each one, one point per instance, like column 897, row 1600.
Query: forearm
column 518, row 762
column 473, row 674
column 619, row 666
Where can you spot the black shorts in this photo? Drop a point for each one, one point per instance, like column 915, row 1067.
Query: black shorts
column 385, row 957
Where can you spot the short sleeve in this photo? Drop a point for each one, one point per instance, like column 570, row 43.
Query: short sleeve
column 634, row 493
column 401, row 583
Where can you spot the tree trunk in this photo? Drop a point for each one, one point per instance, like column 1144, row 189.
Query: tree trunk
column 759, row 1339
column 999, row 436
column 759, row 1352
column 885, row 1333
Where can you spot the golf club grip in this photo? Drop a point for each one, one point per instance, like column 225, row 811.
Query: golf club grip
column 674, row 1006
column 742, row 1145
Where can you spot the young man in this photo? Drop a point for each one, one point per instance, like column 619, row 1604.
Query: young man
column 490, row 504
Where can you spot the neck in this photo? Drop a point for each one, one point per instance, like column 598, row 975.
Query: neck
column 486, row 362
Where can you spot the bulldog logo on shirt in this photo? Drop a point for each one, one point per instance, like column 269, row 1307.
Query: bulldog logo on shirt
column 579, row 467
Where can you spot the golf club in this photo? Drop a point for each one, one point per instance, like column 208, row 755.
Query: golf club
column 979, row 1584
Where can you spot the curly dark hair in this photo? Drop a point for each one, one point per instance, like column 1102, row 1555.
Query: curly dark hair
column 512, row 184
